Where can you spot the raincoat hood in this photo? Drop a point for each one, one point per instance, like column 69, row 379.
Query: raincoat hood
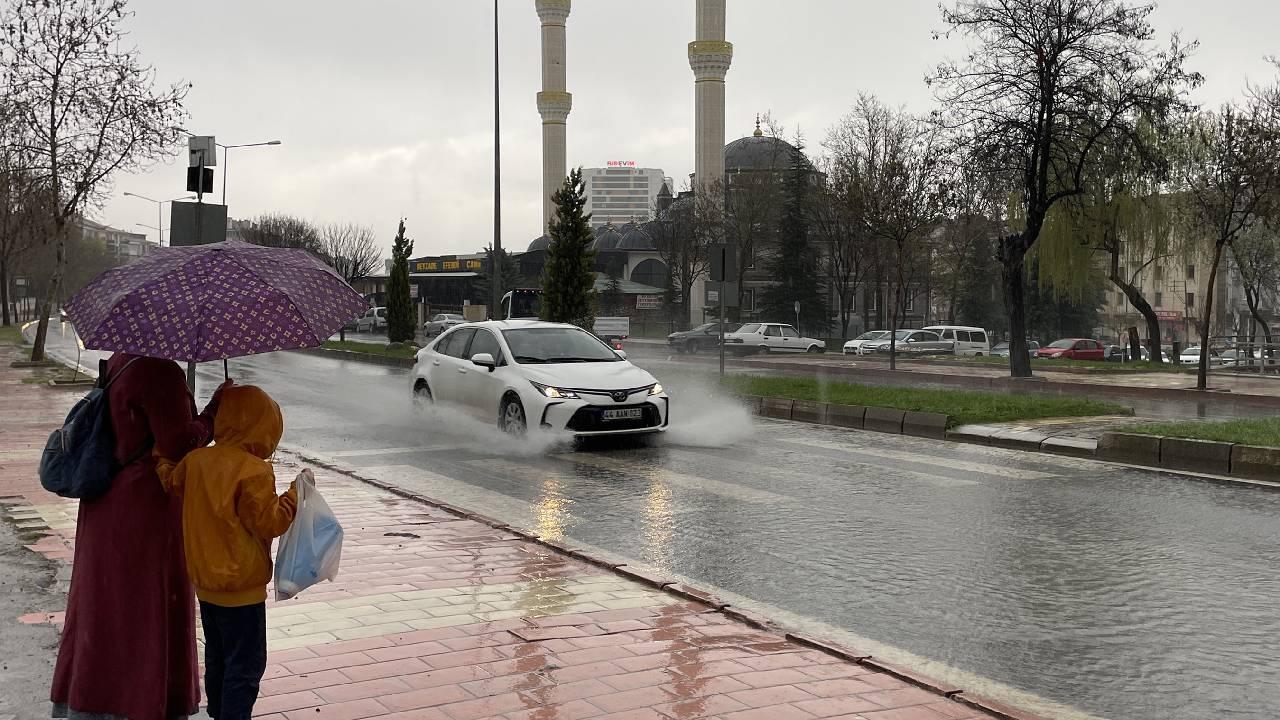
column 248, row 419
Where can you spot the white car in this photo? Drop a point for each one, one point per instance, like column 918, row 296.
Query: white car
column 551, row 376
column 853, row 346
column 968, row 341
column 770, row 337
column 372, row 321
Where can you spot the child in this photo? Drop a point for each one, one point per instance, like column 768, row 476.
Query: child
column 230, row 514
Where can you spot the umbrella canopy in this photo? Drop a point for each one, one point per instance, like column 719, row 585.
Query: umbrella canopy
column 212, row 302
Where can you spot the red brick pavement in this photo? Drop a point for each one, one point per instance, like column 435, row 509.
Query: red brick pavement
column 437, row 617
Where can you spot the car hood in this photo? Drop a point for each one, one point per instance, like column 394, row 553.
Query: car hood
column 589, row 376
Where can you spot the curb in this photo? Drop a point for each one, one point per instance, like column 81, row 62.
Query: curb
column 1221, row 459
column 1227, row 462
column 706, row 599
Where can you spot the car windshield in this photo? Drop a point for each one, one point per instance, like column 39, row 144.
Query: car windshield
column 902, row 334
column 557, row 345
column 872, row 335
column 749, row 328
column 1001, row 346
column 1062, row 344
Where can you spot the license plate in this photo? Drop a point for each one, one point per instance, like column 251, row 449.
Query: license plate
column 624, row 414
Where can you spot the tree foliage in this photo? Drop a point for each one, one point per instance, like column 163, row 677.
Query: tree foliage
column 510, row 275
column 795, row 258
column 400, row 314
column 568, row 279
column 279, row 230
column 1046, row 85
column 87, row 108
column 683, row 235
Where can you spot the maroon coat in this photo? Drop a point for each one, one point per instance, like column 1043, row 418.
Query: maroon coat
column 128, row 648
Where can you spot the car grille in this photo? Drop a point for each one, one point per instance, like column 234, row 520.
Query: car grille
column 591, row 419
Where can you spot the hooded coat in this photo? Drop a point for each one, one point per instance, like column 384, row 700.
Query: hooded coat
column 230, row 510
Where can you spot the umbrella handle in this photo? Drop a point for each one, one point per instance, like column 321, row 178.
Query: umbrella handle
column 225, row 374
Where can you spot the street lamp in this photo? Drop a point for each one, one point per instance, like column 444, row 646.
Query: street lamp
column 226, row 152
column 159, row 211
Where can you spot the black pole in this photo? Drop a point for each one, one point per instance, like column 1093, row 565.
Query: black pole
column 495, row 261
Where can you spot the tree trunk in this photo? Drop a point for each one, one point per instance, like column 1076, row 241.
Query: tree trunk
column 1202, row 375
column 55, row 282
column 1255, row 310
column 1012, row 274
column 5, row 319
column 898, row 303
column 1139, row 303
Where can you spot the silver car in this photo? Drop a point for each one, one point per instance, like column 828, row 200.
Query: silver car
column 440, row 323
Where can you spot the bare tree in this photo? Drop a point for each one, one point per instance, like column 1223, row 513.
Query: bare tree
column 682, row 235
column 284, row 231
column 1048, row 82
column 25, row 207
column 1230, row 177
column 88, row 108
column 1257, row 256
column 835, row 216
column 351, row 250
column 892, row 163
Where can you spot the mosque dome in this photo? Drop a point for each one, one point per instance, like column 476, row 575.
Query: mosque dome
column 607, row 238
column 759, row 152
column 635, row 238
column 541, row 243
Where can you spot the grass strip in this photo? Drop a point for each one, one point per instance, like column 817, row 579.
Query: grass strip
column 404, row 351
column 1263, row 432
column 963, row 407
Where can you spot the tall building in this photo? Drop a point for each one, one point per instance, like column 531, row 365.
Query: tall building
column 622, row 193
column 554, row 102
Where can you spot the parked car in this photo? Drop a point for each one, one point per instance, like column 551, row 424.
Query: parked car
column 439, row 323
column 1001, row 349
column 853, row 346
column 770, row 337
column 912, row 342
column 1191, row 356
column 1072, row 349
column 1113, row 353
column 372, row 321
column 554, row 376
column 969, row 341
column 703, row 337
column 1146, row 355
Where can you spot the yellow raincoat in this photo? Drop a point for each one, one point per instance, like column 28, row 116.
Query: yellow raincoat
column 230, row 510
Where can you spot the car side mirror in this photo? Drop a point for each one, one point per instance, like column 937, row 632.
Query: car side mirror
column 484, row 360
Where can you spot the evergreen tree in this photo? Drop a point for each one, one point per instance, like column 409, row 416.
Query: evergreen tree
column 510, row 276
column 795, row 264
column 568, row 279
column 612, row 301
column 400, row 319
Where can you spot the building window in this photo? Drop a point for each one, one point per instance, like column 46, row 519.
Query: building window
column 873, row 301
column 910, row 302
column 1159, row 299
column 1159, row 273
column 748, row 300
column 1191, row 272
column 1191, row 299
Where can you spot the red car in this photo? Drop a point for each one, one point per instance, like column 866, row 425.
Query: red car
column 1073, row 349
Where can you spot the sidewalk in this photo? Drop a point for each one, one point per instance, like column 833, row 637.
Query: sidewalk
column 441, row 617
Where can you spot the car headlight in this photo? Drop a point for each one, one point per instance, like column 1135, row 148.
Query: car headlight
column 555, row 392
column 656, row 389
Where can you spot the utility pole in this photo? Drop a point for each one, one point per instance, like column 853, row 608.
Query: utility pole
column 496, row 264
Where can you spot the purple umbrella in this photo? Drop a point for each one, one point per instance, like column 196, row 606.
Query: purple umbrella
column 213, row 302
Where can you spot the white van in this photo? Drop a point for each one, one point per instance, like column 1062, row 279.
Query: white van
column 969, row 341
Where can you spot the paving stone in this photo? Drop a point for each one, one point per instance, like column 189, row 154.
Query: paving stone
column 926, row 425
column 1071, row 446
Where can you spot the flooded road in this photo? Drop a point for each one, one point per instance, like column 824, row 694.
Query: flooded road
column 1069, row 587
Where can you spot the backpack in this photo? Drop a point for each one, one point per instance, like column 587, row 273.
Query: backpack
column 79, row 458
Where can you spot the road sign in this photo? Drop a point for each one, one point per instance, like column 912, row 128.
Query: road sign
column 648, row 302
column 724, row 260
column 195, row 176
column 197, row 223
column 202, row 151
column 413, row 291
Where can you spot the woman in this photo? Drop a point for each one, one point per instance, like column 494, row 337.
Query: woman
column 129, row 649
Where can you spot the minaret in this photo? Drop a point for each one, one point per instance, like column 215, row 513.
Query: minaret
column 709, row 56
column 554, row 102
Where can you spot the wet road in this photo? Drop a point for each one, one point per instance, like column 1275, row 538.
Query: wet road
column 1066, row 586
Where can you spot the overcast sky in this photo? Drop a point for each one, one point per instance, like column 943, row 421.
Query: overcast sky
column 385, row 109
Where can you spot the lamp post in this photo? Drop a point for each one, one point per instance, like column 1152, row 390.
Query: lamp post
column 159, row 211
column 495, row 272
column 226, row 158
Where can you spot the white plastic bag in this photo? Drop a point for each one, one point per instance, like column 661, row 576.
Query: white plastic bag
column 311, row 549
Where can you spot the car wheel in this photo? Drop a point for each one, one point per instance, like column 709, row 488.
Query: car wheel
column 764, row 350
column 815, row 349
column 693, row 347
column 977, row 354
column 422, row 397
column 511, row 416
